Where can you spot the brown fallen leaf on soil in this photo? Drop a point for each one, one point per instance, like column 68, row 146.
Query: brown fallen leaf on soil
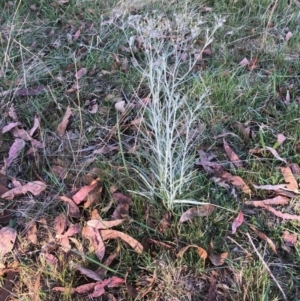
column 7, row 284
column 278, row 200
column 83, row 192
column 14, row 151
column 101, row 224
column 264, row 237
column 9, row 127
column 61, row 128
column 275, row 154
column 73, row 210
column 86, row 272
column 237, row 222
column 253, row 64
column 80, row 73
column 7, row 240
column 96, row 241
column 201, row 252
column 32, row 91
column 122, row 209
column 36, row 125
column 204, row 210
column 98, row 287
column 60, row 224
column 165, row 222
column 290, row 239
column 233, row 157
column 283, row 215
column 236, row 181
column 50, row 258
column 35, row 188
column 112, row 234
column 31, row 232
column 289, row 178
column 245, row 130
column 218, row 259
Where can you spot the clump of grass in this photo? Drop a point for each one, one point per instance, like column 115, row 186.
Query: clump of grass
column 172, row 118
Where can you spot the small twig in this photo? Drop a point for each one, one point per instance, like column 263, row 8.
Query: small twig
column 266, row 266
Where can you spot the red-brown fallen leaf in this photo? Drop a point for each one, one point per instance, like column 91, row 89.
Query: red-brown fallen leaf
column 14, row 151
column 218, row 259
column 289, row 178
column 20, row 133
column 110, row 282
column 32, row 91
column 275, row 154
column 165, row 222
column 278, row 200
column 113, row 234
column 7, row 240
column 7, row 284
column 289, row 239
column 80, row 73
column 233, row 157
column 9, row 127
column 73, row 210
column 102, row 270
column 35, row 188
column 75, row 38
column 31, row 232
column 73, row 229
column 288, row 36
column 101, row 224
column 204, row 210
column 85, row 288
column 87, row 272
column 122, row 209
column 201, row 252
column 271, row 187
column 83, row 192
column 236, row 181
column 59, row 171
column 283, row 215
column 60, row 224
column 50, row 258
column 96, row 240
column 237, row 222
column 244, row 62
column 61, row 128
column 280, row 139
column 264, row 237
column 253, row 64
column 36, row 125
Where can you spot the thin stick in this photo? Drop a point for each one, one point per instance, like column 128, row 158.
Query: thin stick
column 266, row 266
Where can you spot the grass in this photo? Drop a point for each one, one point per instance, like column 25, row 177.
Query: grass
column 155, row 160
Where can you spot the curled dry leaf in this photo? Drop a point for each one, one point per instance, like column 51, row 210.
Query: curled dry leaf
column 218, row 259
column 61, row 128
column 100, row 224
column 9, row 127
column 36, row 125
column 233, row 157
column 244, row 62
column 35, row 188
column 120, row 106
column 73, row 210
column 237, row 222
column 31, row 232
column 14, row 151
column 236, row 181
column 288, row 36
column 283, row 215
column 280, row 139
column 264, row 237
column 278, row 200
column 96, row 241
column 275, row 154
column 112, row 234
column 7, row 240
column 83, row 192
column 289, row 178
column 50, row 258
column 87, row 272
column 290, row 239
column 201, row 252
column 99, row 288
column 60, row 224
column 80, row 73
column 205, row 210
